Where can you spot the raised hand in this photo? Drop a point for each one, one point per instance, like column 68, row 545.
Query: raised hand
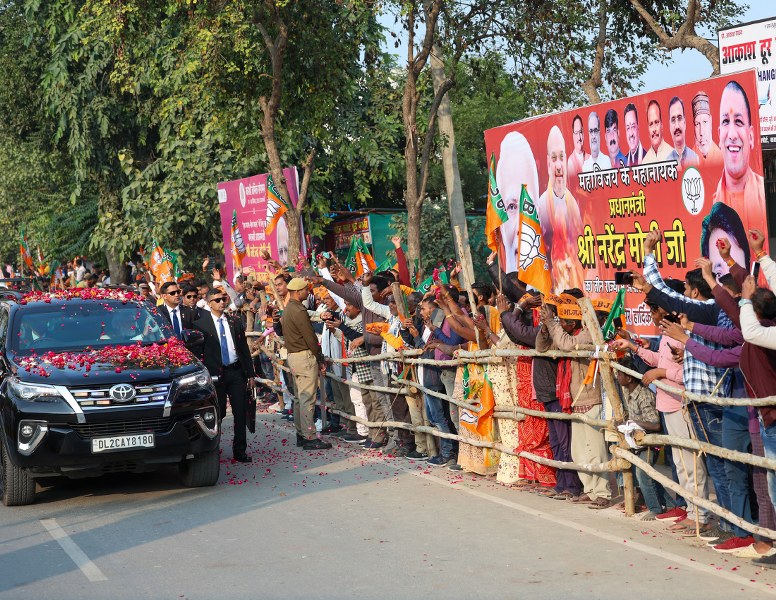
column 750, row 285
column 650, row 242
column 756, row 240
column 723, row 245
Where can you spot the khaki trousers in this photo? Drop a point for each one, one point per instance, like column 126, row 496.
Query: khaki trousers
column 416, row 406
column 304, row 368
column 690, row 469
column 588, row 446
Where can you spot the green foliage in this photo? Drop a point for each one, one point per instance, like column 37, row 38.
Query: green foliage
column 437, row 236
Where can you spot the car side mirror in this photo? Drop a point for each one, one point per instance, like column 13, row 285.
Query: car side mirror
column 192, row 338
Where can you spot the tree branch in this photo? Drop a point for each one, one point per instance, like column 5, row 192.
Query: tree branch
column 685, row 36
column 425, row 156
column 307, row 175
column 595, row 80
column 432, row 14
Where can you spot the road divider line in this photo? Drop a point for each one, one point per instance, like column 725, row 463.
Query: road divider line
column 77, row 555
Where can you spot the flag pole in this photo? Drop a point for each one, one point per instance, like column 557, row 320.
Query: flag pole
column 465, row 272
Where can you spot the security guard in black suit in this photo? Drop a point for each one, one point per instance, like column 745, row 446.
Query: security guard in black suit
column 226, row 355
column 179, row 317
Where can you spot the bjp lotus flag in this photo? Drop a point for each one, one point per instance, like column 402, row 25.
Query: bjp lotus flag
column 276, row 206
column 478, row 392
column 359, row 258
column 496, row 210
column 161, row 264
column 24, row 250
column 238, row 246
column 532, row 268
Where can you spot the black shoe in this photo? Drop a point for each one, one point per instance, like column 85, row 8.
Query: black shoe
column 331, row 429
column 415, row 455
column 242, row 457
column 316, row 444
column 300, row 441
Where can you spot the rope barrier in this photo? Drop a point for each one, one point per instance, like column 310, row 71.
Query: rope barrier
column 622, row 457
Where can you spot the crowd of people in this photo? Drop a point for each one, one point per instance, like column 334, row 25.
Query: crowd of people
column 716, row 339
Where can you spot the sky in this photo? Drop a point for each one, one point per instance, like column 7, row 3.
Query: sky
column 690, row 65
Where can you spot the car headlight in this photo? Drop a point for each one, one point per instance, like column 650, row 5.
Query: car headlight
column 197, row 380
column 34, row 392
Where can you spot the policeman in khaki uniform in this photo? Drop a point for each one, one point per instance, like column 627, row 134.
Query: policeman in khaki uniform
column 305, row 361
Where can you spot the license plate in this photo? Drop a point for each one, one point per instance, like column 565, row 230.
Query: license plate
column 123, row 442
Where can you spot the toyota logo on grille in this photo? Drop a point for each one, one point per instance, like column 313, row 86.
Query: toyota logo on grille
column 123, row 392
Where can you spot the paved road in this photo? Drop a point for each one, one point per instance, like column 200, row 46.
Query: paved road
column 342, row 524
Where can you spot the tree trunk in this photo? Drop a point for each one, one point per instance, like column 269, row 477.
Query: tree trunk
column 450, row 158
column 119, row 272
column 413, row 234
column 412, row 198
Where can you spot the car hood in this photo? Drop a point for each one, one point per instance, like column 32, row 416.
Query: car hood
column 99, row 373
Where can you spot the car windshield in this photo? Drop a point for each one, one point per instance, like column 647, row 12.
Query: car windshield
column 68, row 326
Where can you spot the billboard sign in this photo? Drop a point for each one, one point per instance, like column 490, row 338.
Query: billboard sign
column 685, row 161
column 748, row 46
column 248, row 197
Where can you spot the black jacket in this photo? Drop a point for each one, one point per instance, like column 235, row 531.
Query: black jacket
column 211, row 350
column 545, row 370
column 186, row 313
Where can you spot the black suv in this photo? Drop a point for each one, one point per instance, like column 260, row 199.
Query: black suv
column 93, row 385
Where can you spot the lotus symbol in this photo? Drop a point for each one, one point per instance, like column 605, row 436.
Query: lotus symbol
column 529, row 246
column 692, row 190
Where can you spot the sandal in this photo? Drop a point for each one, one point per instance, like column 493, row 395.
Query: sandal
column 581, row 499
column 600, row 503
column 563, row 496
column 547, row 492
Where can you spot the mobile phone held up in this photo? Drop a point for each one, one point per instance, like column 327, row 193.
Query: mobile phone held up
column 623, row 278
column 756, row 270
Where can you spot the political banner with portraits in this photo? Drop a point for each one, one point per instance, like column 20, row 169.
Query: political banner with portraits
column 751, row 46
column 685, row 161
column 248, row 197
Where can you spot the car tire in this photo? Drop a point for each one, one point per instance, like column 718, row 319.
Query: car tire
column 18, row 487
column 202, row 470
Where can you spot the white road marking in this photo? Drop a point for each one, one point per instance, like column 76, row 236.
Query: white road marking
column 77, row 555
column 669, row 556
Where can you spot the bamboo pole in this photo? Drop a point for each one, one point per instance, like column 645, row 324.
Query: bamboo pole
column 768, row 401
column 653, row 439
column 466, row 270
column 363, row 386
column 693, row 498
column 612, row 465
column 612, row 395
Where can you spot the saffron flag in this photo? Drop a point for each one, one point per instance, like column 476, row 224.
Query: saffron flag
column 618, row 307
column 496, row 210
column 532, row 268
column 238, row 246
column 161, row 265
column 359, row 258
column 477, row 390
column 24, row 250
column 276, row 206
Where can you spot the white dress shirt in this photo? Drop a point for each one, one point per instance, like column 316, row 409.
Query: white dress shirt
column 228, row 332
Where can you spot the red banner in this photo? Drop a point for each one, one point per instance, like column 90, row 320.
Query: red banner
column 685, row 161
column 249, row 198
